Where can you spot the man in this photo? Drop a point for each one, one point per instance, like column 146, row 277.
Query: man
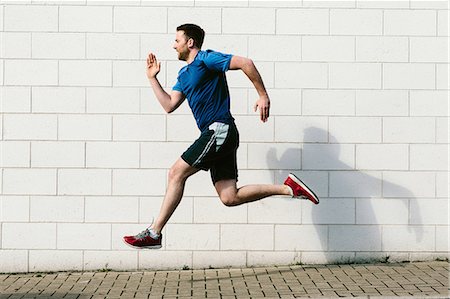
column 202, row 81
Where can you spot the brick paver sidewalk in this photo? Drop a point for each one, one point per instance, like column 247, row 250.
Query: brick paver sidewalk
column 426, row 279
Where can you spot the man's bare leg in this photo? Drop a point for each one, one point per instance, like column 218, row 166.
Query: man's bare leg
column 178, row 175
column 231, row 196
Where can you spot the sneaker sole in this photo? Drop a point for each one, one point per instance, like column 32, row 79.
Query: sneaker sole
column 298, row 181
column 142, row 247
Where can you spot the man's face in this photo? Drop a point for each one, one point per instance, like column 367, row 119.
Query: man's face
column 181, row 45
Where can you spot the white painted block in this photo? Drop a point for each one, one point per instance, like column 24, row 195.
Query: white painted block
column 136, row 19
column 429, row 211
column 192, row 236
column 29, row 127
column 29, row 236
column 429, row 49
column 15, row 44
column 85, row 73
column 408, row 76
column 58, row 99
column 382, row 102
column 442, row 76
column 86, row 18
column 382, row 48
column 59, row 45
column 111, row 209
column 150, row 105
column 182, row 128
column 84, row 127
column 328, row 102
column 356, row 22
column 14, row 261
column 210, row 19
column 15, row 99
column 84, row 182
column 84, row 236
column 164, row 260
column 429, row 102
column 233, row 44
column 307, row 129
column 438, row 4
column 301, row 237
column 29, row 181
column 149, row 208
column 329, row 211
column 246, row 237
column 442, row 238
column 329, row 3
column 382, row 157
column 302, row 21
column 219, row 259
column 274, row 156
column 55, row 260
column 130, row 74
column 383, row 257
column 442, row 22
column 442, row 130
column 381, row 4
column 442, row 184
column 328, row 157
column 57, row 154
column 212, row 210
column 264, row 258
column 409, row 130
column 247, row 177
column 112, row 154
column 279, row 209
column 275, row 48
column 282, row 101
column 15, row 209
column 354, row 238
column 355, row 75
column 112, row 46
column 328, row 48
column 139, row 128
column 429, row 157
column 301, row 75
column 23, row 72
column 251, row 129
column 15, row 154
column 409, row 184
column 114, row 260
column 30, row 18
column 320, row 258
column 200, row 184
column 160, row 45
column 139, row 182
column 258, row 20
column 237, row 78
column 355, row 184
column 410, row 22
column 356, row 129
column 161, row 154
column 382, row 211
column 409, row 238
column 56, row 209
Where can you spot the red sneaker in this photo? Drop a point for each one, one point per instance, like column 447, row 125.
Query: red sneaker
column 143, row 240
column 299, row 189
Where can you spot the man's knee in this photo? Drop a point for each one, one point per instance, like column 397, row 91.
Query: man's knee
column 180, row 172
column 229, row 199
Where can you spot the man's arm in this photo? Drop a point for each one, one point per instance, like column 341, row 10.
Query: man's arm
column 169, row 102
column 249, row 68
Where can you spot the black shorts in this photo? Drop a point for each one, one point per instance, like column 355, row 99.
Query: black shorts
column 215, row 150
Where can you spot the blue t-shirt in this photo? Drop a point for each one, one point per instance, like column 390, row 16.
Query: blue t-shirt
column 204, row 84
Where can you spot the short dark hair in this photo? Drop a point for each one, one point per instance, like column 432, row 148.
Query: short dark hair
column 195, row 32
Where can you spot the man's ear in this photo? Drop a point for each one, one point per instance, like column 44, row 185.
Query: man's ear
column 190, row 43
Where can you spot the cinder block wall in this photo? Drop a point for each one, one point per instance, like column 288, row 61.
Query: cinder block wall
column 359, row 95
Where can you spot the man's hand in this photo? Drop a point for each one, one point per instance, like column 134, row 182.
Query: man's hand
column 263, row 103
column 153, row 66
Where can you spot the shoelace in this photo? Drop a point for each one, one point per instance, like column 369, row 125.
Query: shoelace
column 143, row 234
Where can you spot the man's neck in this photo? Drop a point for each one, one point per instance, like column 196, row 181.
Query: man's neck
column 192, row 55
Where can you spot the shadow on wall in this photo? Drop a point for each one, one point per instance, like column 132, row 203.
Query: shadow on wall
column 353, row 205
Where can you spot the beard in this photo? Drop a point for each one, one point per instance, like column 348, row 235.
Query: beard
column 183, row 56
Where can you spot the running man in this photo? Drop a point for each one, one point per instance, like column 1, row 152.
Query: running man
column 203, row 83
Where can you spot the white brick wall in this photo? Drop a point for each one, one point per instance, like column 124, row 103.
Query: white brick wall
column 359, row 111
